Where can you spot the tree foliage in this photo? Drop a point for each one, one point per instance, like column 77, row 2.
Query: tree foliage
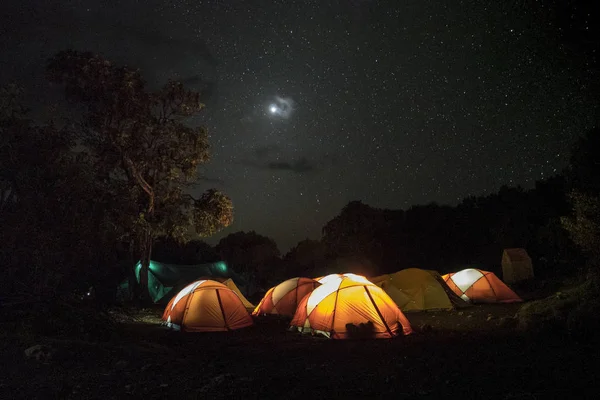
column 255, row 256
column 141, row 140
column 307, row 259
column 55, row 214
column 584, row 166
column 584, row 225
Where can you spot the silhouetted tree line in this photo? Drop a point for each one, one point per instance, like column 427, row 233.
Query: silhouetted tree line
column 557, row 221
column 75, row 201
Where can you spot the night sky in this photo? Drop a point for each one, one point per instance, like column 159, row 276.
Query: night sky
column 312, row 104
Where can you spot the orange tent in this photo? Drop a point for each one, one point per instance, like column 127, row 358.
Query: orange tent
column 284, row 298
column 231, row 285
column 480, row 286
column 332, row 309
column 206, row 306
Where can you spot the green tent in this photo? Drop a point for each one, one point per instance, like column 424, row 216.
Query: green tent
column 165, row 280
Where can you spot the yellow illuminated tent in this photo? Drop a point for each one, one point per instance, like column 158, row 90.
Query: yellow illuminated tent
column 206, row 306
column 284, row 298
column 324, row 279
column 415, row 289
column 377, row 280
column 345, row 302
column 231, row 285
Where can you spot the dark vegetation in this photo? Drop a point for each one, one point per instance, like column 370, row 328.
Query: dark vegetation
column 81, row 202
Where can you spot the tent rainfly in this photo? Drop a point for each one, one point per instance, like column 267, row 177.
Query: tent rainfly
column 284, row 298
column 231, row 285
column 415, row 289
column 516, row 266
column 346, row 303
column 206, row 306
column 164, row 280
column 480, row 286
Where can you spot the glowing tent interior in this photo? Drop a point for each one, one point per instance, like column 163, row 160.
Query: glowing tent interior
column 283, row 299
column 337, row 307
column 206, row 306
column 480, row 286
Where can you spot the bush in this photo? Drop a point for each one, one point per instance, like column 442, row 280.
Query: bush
column 571, row 311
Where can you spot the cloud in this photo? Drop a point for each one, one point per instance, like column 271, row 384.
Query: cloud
column 157, row 38
column 263, row 152
column 300, row 166
column 208, row 90
column 269, row 157
column 264, row 158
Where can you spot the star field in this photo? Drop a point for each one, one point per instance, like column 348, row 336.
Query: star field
column 312, row 104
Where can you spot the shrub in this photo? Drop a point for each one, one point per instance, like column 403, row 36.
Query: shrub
column 572, row 311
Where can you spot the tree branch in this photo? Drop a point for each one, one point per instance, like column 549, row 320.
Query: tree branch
column 137, row 177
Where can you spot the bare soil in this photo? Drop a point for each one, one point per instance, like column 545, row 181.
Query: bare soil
column 470, row 353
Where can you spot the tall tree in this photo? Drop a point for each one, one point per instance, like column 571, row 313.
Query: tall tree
column 354, row 233
column 53, row 212
column 584, row 164
column 584, row 226
column 140, row 139
column 252, row 255
column 307, row 258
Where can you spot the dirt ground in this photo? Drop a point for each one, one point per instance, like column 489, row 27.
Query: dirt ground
column 470, row 353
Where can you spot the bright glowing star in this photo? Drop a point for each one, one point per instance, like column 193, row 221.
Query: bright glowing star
column 273, row 108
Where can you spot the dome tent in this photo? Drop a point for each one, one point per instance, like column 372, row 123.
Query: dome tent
column 164, row 280
column 231, row 285
column 480, row 286
column 350, row 300
column 206, row 306
column 324, row 279
column 415, row 289
column 284, row 298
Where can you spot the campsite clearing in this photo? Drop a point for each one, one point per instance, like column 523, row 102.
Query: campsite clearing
column 473, row 353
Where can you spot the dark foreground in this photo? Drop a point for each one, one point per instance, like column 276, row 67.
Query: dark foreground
column 476, row 354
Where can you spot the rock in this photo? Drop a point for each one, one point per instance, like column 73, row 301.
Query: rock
column 147, row 367
column 122, row 364
column 489, row 318
column 214, row 382
column 425, row 328
column 469, row 316
column 40, row 352
column 460, row 313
